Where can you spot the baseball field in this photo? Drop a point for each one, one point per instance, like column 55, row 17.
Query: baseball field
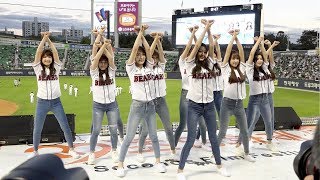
column 16, row 100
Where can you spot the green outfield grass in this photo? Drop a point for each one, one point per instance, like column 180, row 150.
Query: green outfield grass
column 306, row 104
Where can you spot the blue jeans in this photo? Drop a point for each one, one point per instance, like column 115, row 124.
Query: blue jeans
column 195, row 110
column 119, row 123
column 146, row 111
column 217, row 102
column 234, row 107
column 98, row 111
column 183, row 107
column 258, row 103
column 270, row 98
column 183, row 119
column 43, row 107
column 163, row 112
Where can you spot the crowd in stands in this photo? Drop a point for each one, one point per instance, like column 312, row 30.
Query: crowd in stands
column 76, row 59
column 296, row 65
column 6, row 56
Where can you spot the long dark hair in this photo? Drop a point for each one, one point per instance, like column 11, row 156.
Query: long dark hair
column 256, row 76
column 272, row 75
column 47, row 52
column 156, row 64
column 233, row 78
column 106, row 71
column 141, row 48
column 204, row 64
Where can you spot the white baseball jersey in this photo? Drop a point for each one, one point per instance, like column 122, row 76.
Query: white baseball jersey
column 102, row 91
column 234, row 90
column 75, row 91
column 159, row 80
column 31, row 97
column 141, row 80
column 48, row 85
column 201, row 84
column 184, row 75
column 270, row 86
column 218, row 80
column 65, row 86
column 70, row 89
column 256, row 87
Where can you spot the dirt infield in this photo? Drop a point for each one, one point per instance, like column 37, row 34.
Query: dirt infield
column 7, row 108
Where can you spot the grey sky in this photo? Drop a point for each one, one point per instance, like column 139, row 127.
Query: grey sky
column 286, row 15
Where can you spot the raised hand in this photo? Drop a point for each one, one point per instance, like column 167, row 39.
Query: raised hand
column 196, row 27
column 216, row 36
column 136, row 28
column 237, row 31
column 231, row 32
column 94, row 32
column 255, row 38
column 160, row 34
column 267, row 42
column 211, row 21
column 276, row 43
column 102, row 29
column 153, row 34
column 204, row 21
column 144, row 27
column 108, row 41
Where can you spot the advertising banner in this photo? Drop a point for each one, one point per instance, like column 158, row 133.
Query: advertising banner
column 127, row 16
column 103, row 11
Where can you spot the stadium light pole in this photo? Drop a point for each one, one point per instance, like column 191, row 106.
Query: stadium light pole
column 115, row 17
column 92, row 36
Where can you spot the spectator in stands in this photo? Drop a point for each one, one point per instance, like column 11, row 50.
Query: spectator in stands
column 139, row 68
column 47, row 67
column 102, row 71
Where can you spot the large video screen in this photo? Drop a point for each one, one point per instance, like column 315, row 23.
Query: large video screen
column 222, row 25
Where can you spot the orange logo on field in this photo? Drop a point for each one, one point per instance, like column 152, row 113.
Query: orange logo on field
column 63, row 154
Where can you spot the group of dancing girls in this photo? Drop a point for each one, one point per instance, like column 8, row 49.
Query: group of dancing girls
column 204, row 77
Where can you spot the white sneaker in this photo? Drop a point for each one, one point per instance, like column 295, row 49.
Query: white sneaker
column 181, row 176
column 249, row 158
column 74, row 154
column 140, row 158
column 239, row 151
column 197, row 144
column 161, row 168
column 33, row 154
column 115, row 156
column 174, row 156
column 272, row 147
column 251, row 144
column 223, row 171
column 206, row 148
column 143, row 147
column 91, row 159
column 120, row 172
column 120, row 141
